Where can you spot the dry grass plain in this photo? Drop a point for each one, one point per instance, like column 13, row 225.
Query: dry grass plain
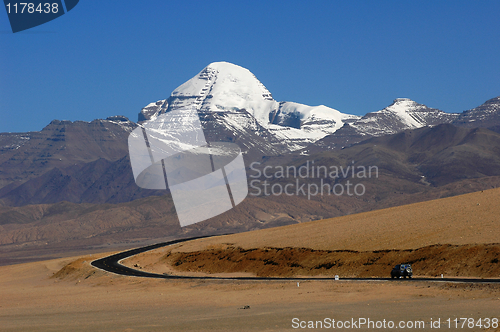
column 70, row 295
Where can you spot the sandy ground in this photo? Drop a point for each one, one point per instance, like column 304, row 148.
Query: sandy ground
column 70, row 295
column 32, row 300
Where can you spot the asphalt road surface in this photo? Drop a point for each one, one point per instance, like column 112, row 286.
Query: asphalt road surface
column 111, row 264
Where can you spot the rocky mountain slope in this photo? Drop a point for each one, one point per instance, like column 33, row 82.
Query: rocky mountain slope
column 234, row 105
column 412, row 166
column 402, row 114
column 61, row 144
column 405, row 114
column 87, row 162
column 485, row 115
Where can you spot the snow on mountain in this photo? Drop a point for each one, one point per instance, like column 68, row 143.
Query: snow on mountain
column 152, row 110
column 233, row 105
column 13, row 141
column 402, row 114
column 236, row 103
column 485, row 115
column 223, row 86
column 300, row 124
column 314, row 120
column 121, row 121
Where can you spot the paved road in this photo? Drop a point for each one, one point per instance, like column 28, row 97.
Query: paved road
column 111, row 264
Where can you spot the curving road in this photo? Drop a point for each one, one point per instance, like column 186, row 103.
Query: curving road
column 111, row 264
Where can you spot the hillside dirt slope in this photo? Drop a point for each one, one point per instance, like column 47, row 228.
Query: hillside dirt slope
column 452, row 261
column 464, row 219
column 456, row 236
column 46, row 231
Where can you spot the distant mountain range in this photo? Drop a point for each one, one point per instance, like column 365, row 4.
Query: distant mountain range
column 88, row 162
column 77, row 175
column 414, row 165
column 405, row 114
column 234, row 104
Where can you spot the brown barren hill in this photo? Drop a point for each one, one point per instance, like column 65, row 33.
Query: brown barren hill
column 464, row 219
column 457, row 236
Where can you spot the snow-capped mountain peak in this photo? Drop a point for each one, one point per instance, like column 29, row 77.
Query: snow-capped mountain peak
column 233, row 105
column 234, row 83
column 407, row 112
column 402, row 114
column 485, row 115
column 223, row 86
column 233, row 100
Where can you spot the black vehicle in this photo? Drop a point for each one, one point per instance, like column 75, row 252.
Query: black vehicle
column 402, row 270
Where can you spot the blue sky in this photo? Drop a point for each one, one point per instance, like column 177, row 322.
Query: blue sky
column 113, row 57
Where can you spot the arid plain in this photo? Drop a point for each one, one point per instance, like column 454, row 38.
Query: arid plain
column 456, row 237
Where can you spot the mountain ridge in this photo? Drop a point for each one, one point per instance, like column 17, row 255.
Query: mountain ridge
column 33, row 163
column 231, row 96
column 230, row 99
